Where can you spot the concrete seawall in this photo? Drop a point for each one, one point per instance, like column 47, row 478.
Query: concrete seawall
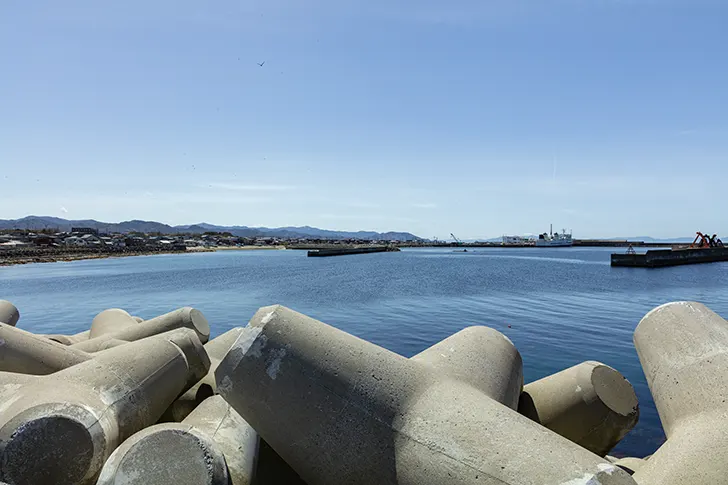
column 667, row 257
column 320, row 253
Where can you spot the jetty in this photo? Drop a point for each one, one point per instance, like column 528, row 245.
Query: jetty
column 707, row 250
column 320, row 253
column 670, row 257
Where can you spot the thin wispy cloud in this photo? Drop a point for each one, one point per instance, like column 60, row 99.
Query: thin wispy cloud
column 370, row 217
column 363, row 205
column 251, row 187
column 689, row 131
column 64, row 210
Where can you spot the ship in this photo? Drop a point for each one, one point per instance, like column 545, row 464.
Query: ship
column 553, row 239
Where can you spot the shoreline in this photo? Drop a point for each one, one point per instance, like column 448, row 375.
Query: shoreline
column 13, row 258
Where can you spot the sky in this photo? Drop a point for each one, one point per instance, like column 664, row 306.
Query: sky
column 473, row 117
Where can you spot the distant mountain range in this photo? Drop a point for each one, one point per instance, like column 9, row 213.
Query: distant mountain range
column 652, row 239
column 46, row 222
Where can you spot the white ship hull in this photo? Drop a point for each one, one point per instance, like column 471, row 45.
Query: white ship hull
column 564, row 243
column 554, row 240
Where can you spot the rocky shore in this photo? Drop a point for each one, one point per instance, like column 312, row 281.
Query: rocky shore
column 9, row 257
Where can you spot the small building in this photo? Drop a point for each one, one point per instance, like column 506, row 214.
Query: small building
column 85, row 230
column 135, row 242
column 43, row 240
column 75, row 241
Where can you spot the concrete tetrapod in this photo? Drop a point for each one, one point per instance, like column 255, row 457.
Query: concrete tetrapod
column 482, row 357
column 110, row 321
column 212, row 446
column 9, row 313
column 182, row 318
column 69, row 339
column 591, row 404
column 630, row 464
column 683, row 348
column 27, row 353
column 340, row 410
column 59, row 429
column 206, row 387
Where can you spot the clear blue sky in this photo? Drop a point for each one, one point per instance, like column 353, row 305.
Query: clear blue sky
column 474, row 117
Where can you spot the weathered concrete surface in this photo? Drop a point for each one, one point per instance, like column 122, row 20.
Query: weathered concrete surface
column 272, row 469
column 110, row 321
column 206, row 387
column 59, row 429
column 590, row 404
column 113, row 342
column 69, row 339
column 237, row 440
column 340, row 410
column 27, row 353
column 482, row 357
column 9, row 313
column 213, row 445
column 182, row 318
column 60, row 338
column 630, row 464
column 683, row 348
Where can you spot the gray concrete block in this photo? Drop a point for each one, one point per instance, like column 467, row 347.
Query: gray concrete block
column 59, row 429
column 683, row 348
column 482, row 357
column 213, row 445
column 27, row 353
column 60, row 338
column 590, row 404
column 69, row 339
column 182, row 318
column 9, row 313
column 630, row 464
column 205, row 387
column 110, row 321
column 273, row 470
column 340, row 410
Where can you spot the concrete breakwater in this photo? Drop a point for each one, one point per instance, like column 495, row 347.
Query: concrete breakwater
column 666, row 257
column 134, row 401
column 320, row 253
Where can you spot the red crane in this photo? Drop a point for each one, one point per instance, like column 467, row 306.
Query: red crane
column 706, row 241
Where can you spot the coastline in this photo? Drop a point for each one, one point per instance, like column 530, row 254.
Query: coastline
column 29, row 256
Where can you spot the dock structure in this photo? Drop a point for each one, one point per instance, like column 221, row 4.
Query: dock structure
column 331, row 408
column 667, row 257
column 320, row 253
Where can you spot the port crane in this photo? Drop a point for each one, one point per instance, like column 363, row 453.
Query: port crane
column 457, row 241
column 706, row 241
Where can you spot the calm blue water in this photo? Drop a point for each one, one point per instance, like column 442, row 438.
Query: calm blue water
column 564, row 305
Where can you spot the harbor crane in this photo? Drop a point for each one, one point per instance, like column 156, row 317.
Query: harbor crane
column 706, row 241
column 457, row 241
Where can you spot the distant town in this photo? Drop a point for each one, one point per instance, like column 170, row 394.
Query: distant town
column 18, row 246
column 86, row 237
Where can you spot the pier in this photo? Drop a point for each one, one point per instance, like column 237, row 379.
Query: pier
column 667, row 257
column 320, row 253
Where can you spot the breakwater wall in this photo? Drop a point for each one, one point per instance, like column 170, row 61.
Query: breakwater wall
column 320, row 253
column 666, row 257
column 133, row 401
